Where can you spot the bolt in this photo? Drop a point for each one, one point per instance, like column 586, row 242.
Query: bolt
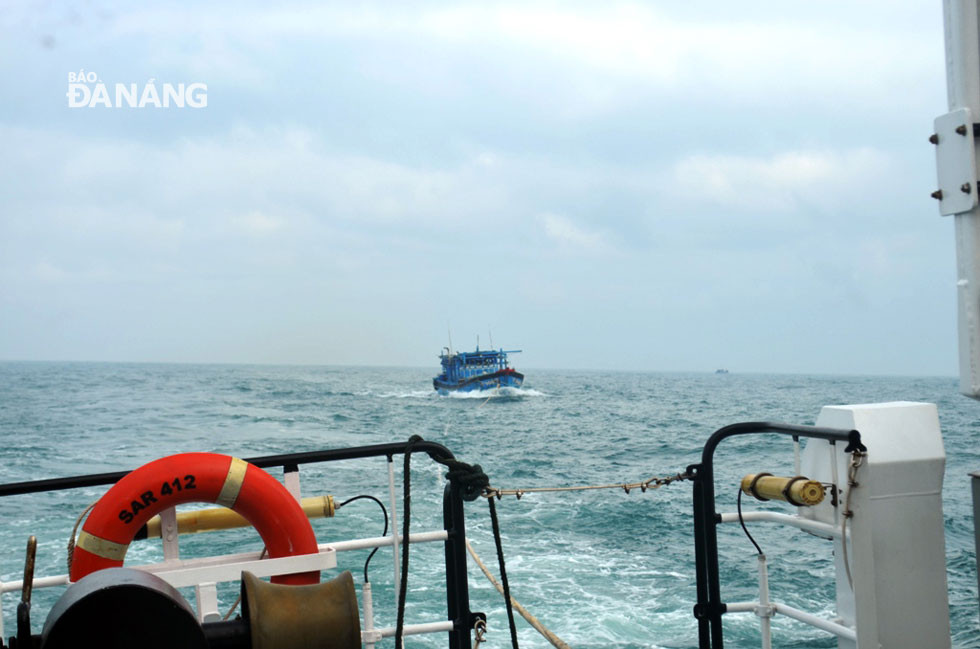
column 938, row 194
column 965, row 188
column 961, row 129
column 934, row 138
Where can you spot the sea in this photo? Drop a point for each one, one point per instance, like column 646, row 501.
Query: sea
column 600, row 568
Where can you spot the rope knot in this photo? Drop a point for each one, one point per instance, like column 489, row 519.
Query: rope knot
column 470, row 478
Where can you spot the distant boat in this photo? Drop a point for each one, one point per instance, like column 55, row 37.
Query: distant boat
column 476, row 370
column 721, row 371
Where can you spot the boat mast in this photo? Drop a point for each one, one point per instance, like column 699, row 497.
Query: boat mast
column 956, row 162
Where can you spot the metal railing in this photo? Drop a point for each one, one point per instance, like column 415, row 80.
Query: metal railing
column 205, row 573
column 710, row 607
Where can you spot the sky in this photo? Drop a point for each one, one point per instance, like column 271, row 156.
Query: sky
column 651, row 186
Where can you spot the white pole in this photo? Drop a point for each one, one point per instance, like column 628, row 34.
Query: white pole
column 963, row 91
column 368, row 615
column 764, row 608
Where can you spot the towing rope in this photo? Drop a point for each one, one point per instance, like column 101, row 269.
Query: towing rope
column 74, row 532
column 474, row 482
column 533, row 621
column 652, row 483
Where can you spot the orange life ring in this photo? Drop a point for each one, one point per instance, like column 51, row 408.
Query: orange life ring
column 186, row 478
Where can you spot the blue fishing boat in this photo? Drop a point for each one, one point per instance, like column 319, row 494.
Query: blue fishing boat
column 476, row 370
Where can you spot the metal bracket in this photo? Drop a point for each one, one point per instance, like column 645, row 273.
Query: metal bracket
column 956, row 164
column 371, row 637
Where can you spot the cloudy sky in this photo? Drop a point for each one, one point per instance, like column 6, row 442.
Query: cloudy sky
column 622, row 185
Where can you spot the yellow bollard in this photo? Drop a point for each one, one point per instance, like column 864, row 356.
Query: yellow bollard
column 222, row 518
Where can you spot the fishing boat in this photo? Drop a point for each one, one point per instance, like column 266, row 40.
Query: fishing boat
column 476, row 370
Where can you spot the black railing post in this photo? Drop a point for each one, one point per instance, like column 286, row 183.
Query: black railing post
column 700, row 558
column 457, row 588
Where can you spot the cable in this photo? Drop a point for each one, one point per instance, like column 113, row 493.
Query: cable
column 384, row 533
column 406, row 526
column 857, row 459
column 741, row 522
column 503, row 572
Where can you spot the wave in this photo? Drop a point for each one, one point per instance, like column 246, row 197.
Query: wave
column 493, row 393
column 503, row 392
column 411, row 394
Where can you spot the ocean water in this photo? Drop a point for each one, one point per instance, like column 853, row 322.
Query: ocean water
column 599, row 568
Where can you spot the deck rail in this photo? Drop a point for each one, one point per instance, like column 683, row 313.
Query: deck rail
column 205, row 573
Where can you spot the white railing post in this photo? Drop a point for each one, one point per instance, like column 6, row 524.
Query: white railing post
column 291, row 482
column 169, row 535
column 206, row 594
column 765, row 610
column 369, row 636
